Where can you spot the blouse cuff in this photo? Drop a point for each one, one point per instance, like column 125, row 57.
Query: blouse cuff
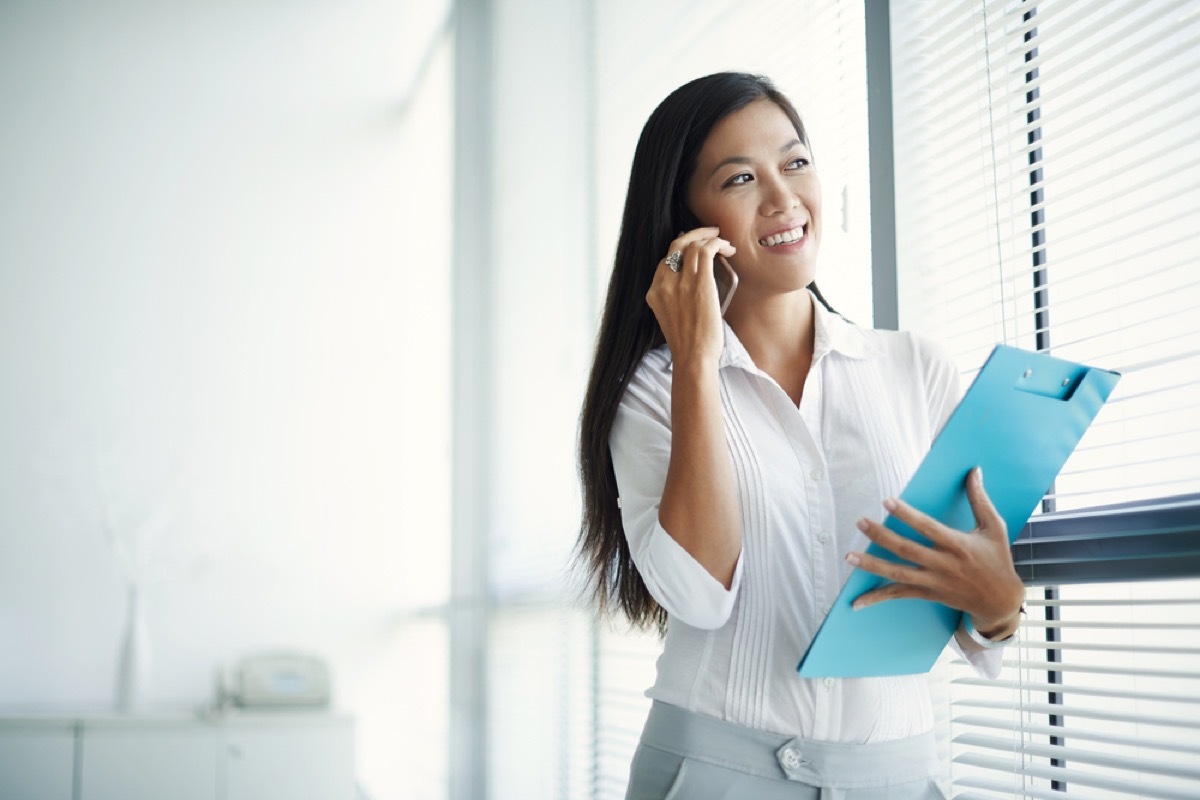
column 985, row 655
column 682, row 586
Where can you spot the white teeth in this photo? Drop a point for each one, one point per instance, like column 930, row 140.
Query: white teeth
column 787, row 237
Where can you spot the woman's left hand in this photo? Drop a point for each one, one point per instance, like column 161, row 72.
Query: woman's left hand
column 971, row 571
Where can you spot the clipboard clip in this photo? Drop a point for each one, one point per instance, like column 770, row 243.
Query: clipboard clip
column 1050, row 381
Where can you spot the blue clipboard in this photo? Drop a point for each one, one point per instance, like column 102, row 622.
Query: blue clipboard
column 1020, row 420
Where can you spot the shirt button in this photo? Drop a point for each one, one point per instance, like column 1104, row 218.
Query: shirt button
column 790, row 758
column 816, row 474
column 824, row 608
column 829, row 683
column 823, row 537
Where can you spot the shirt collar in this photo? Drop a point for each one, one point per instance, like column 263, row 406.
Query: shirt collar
column 832, row 334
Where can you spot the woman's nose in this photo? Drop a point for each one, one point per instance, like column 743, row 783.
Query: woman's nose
column 778, row 196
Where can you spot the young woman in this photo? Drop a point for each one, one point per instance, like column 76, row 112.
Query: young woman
column 734, row 469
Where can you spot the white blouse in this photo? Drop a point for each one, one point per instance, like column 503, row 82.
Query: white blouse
column 872, row 403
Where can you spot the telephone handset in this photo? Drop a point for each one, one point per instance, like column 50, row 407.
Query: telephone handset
column 727, row 281
column 723, row 274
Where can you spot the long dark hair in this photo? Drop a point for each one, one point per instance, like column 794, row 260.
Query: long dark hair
column 655, row 212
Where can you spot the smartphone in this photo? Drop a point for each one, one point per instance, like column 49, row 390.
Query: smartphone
column 726, row 278
column 727, row 281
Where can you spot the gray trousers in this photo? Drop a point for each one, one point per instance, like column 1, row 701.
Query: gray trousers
column 690, row 756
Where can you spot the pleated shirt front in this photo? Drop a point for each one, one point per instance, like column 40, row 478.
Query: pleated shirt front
column 872, row 403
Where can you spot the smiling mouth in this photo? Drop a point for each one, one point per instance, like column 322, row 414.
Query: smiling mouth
column 786, row 237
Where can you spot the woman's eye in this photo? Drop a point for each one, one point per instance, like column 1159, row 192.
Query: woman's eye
column 739, row 179
column 798, row 163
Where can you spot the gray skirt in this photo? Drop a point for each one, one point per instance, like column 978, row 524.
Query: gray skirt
column 685, row 755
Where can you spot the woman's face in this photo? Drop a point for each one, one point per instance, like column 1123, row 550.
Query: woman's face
column 754, row 180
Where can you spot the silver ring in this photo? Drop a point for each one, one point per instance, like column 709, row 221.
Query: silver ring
column 674, row 260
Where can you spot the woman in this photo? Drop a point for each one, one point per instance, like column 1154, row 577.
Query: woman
column 733, row 471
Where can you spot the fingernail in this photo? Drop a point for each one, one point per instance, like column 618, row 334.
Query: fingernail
column 979, row 474
column 857, row 605
column 890, row 504
column 863, row 524
column 853, row 559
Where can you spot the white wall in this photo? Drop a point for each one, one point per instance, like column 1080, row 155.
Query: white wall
column 224, row 287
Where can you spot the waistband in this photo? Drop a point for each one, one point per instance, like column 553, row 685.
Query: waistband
column 834, row 765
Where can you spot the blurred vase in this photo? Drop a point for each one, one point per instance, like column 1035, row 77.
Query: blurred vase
column 133, row 662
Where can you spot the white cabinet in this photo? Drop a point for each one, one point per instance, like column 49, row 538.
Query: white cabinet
column 153, row 760
column 300, row 761
column 300, row 756
column 37, row 761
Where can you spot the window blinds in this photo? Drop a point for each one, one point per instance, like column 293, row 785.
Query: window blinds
column 1047, row 174
column 1047, row 179
column 1100, row 699
column 624, row 669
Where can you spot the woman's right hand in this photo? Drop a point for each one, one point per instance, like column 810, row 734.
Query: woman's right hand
column 685, row 302
column 699, row 506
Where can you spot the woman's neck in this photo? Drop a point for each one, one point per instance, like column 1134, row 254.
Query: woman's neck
column 778, row 334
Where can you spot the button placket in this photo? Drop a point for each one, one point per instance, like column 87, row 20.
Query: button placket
column 824, row 562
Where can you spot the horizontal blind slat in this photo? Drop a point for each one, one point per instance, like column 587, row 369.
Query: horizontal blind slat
column 1059, row 624
column 1166, row 485
column 1032, row 729
column 977, row 796
column 1083, row 691
column 1049, row 709
column 1133, row 601
column 1079, row 755
column 1073, row 776
column 1009, row 790
column 1131, row 672
column 1111, row 648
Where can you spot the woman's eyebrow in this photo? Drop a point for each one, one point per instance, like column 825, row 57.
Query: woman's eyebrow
column 747, row 160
